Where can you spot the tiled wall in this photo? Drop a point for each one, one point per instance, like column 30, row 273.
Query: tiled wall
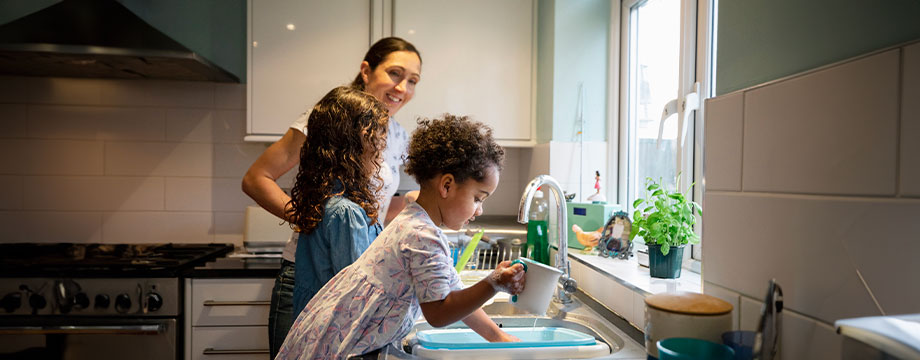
column 116, row 161
column 89, row 160
column 813, row 180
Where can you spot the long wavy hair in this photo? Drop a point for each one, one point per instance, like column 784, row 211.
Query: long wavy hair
column 346, row 131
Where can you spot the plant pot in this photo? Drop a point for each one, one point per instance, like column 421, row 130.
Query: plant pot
column 665, row 266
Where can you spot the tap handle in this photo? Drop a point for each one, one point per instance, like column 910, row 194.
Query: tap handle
column 569, row 285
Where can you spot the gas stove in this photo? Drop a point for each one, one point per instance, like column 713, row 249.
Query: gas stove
column 72, row 295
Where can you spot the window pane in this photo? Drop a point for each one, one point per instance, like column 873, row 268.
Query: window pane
column 654, row 68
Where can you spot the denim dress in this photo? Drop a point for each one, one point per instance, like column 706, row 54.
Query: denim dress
column 339, row 239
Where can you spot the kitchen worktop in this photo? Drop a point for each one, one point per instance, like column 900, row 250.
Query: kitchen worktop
column 234, row 266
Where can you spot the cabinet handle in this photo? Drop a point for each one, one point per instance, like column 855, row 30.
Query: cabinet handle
column 153, row 329
column 213, row 351
column 235, row 303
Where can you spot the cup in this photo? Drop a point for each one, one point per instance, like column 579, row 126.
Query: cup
column 539, row 286
column 742, row 342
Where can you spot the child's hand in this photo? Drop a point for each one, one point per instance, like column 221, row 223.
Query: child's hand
column 508, row 278
column 506, row 337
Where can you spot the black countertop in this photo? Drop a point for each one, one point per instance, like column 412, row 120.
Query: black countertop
column 237, row 267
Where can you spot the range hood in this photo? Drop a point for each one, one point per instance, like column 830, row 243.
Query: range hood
column 98, row 39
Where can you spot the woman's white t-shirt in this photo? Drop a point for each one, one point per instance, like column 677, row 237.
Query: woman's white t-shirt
column 393, row 158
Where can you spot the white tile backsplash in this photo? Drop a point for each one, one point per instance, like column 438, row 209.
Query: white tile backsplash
column 910, row 122
column 13, row 122
column 804, row 338
column 783, row 237
column 828, row 205
column 749, row 314
column 724, row 130
column 731, row 297
column 154, row 93
column 93, row 160
column 11, row 197
column 51, row 157
column 833, row 131
column 93, row 193
column 158, row 159
column 96, row 123
column 232, row 160
column 229, row 96
column 160, row 226
column 50, row 226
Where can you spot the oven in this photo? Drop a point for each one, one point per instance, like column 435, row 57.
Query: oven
column 118, row 304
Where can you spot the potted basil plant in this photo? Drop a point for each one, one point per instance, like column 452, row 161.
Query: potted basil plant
column 665, row 219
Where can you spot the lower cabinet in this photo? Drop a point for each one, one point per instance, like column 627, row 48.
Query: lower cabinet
column 227, row 319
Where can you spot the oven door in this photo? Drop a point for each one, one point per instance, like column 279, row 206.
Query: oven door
column 88, row 338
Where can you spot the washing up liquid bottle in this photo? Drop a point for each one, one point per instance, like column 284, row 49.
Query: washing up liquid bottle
column 537, row 236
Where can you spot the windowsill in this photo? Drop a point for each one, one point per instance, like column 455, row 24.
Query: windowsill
column 637, row 278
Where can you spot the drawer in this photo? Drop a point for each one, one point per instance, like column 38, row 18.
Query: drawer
column 217, row 302
column 230, row 343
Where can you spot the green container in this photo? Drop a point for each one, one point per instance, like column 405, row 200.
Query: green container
column 589, row 216
column 665, row 266
column 693, row 349
column 537, row 241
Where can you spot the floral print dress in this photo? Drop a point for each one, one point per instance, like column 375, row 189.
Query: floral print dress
column 375, row 301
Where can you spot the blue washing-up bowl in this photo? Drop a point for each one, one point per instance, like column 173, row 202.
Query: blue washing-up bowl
column 692, row 349
column 530, row 337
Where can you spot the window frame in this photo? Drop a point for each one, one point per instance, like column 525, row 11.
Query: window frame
column 699, row 68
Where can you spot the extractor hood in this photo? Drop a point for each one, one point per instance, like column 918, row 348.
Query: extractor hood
column 98, row 39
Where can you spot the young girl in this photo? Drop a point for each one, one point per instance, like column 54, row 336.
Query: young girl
column 334, row 200
column 408, row 271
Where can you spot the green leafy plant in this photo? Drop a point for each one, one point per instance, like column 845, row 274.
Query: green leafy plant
column 666, row 218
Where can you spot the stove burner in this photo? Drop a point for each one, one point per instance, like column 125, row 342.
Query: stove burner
column 32, row 259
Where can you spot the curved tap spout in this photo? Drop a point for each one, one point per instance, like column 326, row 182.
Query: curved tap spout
column 562, row 257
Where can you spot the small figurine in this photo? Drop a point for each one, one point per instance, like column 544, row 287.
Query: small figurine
column 588, row 239
column 597, row 196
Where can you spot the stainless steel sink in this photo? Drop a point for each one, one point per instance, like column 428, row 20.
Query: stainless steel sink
column 575, row 316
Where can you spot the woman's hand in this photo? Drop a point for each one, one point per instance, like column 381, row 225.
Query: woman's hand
column 508, row 278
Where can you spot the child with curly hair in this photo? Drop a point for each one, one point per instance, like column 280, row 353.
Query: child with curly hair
column 408, row 270
column 333, row 200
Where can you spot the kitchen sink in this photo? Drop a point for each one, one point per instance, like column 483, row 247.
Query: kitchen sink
column 575, row 316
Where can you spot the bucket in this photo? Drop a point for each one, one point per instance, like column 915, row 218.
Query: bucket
column 692, row 349
column 539, row 286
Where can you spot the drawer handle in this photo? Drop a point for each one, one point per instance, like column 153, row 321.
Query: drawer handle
column 213, row 351
column 235, row 303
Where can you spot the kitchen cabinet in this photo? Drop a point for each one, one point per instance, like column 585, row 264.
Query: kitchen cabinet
column 297, row 52
column 227, row 318
column 477, row 59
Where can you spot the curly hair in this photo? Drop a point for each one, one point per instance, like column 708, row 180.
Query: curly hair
column 346, row 127
column 452, row 145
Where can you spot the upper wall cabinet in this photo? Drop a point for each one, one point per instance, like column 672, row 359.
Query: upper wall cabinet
column 477, row 60
column 298, row 51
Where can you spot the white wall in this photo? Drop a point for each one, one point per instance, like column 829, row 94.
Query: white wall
column 115, row 161
column 814, row 180
column 125, row 161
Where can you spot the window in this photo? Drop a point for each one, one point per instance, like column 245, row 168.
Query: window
column 663, row 68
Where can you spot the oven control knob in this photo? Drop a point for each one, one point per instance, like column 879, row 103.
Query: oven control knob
column 102, row 301
column 37, row 302
column 154, row 301
column 80, row 301
column 122, row 303
column 11, row 302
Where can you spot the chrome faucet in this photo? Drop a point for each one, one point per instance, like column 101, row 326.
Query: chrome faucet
column 569, row 285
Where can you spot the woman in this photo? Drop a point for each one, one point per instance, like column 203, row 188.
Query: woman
column 390, row 70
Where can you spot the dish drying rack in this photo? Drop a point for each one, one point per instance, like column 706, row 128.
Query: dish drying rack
column 488, row 253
